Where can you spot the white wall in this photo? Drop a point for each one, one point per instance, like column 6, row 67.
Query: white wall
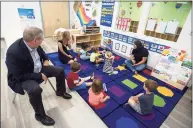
column 184, row 40
column 11, row 28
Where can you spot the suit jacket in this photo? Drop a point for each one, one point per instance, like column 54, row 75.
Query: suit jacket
column 20, row 65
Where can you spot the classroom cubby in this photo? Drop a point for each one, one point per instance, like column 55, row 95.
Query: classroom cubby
column 133, row 26
column 164, row 36
column 91, row 39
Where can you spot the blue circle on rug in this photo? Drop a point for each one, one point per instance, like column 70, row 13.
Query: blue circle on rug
column 125, row 122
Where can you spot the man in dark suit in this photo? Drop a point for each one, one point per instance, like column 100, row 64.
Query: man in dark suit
column 28, row 66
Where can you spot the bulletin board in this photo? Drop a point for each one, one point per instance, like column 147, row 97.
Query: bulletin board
column 166, row 19
column 174, row 67
column 129, row 15
column 151, row 46
column 107, row 12
column 168, row 11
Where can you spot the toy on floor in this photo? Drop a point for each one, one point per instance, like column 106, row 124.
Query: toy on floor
column 143, row 103
column 97, row 97
column 74, row 81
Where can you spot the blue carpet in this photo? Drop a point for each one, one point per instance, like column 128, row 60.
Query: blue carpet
column 115, row 114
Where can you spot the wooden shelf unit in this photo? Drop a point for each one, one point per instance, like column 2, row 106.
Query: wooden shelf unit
column 91, row 39
column 164, row 36
column 133, row 26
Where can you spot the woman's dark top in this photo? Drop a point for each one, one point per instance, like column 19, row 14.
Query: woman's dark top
column 139, row 53
column 63, row 58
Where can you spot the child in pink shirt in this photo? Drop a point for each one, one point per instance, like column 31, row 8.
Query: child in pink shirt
column 97, row 96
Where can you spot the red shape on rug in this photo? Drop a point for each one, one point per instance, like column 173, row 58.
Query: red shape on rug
column 146, row 71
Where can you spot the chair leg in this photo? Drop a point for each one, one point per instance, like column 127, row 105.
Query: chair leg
column 51, row 85
column 13, row 100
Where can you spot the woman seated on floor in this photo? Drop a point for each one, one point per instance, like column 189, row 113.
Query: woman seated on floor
column 63, row 53
column 138, row 59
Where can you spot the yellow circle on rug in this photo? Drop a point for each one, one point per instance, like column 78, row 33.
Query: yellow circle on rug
column 165, row 91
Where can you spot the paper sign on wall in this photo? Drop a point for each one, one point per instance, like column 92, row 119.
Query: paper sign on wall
column 117, row 45
column 27, row 17
column 124, row 49
column 172, row 27
column 161, row 27
column 150, row 25
column 107, row 13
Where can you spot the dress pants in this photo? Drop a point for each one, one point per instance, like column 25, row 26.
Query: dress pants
column 34, row 90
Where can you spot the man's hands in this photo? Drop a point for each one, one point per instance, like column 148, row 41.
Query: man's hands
column 44, row 77
column 46, row 63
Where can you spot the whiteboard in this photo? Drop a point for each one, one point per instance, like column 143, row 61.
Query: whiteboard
column 161, row 27
column 150, row 25
column 172, row 27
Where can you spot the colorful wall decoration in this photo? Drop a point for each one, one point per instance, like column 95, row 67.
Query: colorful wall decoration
column 83, row 17
column 174, row 67
column 131, row 10
column 128, row 12
column 27, row 17
column 107, row 13
column 158, row 48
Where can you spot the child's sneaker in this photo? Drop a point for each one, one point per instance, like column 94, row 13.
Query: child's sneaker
column 123, row 65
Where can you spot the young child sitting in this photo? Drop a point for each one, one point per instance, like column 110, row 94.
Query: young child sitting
column 74, row 81
column 94, row 57
column 143, row 103
column 109, row 59
column 97, row 97
column 84, row 55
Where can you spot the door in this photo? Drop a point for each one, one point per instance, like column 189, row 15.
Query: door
column 55, row 15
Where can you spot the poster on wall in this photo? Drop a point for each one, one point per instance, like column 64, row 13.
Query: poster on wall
column 85, row 13
column 124, row 49
column 27, row 17
column 107, row 12
column 117, row 46
column 174, row 68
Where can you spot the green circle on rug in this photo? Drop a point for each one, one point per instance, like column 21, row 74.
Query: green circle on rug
column 158, row 101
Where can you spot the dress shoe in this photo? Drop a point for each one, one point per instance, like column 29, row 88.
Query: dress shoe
column 64, row 95
column 45, row 120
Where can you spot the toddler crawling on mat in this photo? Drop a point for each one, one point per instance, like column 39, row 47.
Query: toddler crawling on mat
column 97, row 97
column 143, row 103
column 74, row 81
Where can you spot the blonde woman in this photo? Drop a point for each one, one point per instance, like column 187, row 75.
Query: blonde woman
column 63, row 53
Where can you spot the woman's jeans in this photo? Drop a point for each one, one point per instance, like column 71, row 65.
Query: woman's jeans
column 134, row 68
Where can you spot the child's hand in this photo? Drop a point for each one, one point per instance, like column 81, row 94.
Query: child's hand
column 92, row 78
column 70, row 56
column 108, row 97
